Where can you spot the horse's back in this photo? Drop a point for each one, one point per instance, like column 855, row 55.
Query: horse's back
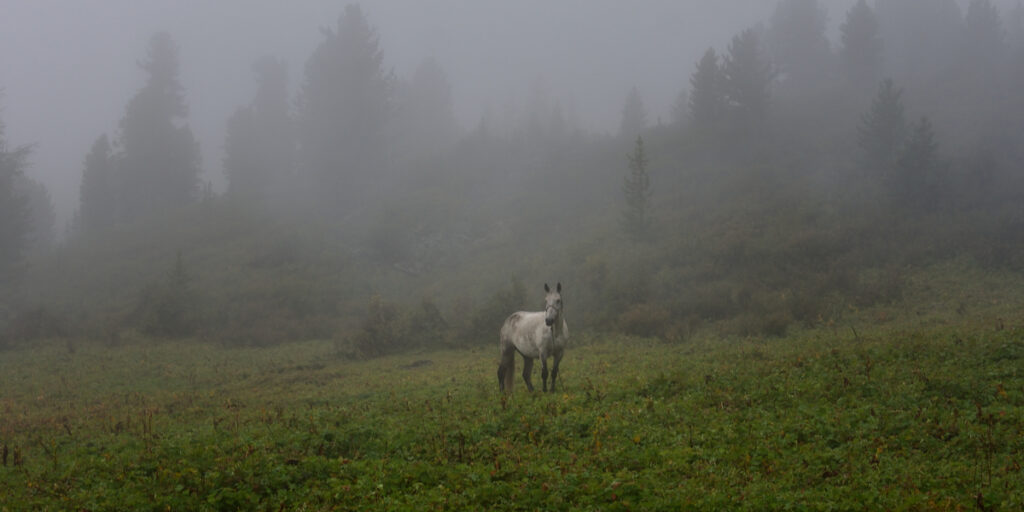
column 522, row 330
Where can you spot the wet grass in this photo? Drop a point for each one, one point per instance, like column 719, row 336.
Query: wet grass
column 926, row 418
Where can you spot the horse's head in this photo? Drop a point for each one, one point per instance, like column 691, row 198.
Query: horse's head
column 552, row 304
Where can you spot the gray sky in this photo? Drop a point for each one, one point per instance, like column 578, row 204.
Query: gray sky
column 69, row 66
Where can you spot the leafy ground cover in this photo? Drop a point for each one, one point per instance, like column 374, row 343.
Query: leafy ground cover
column 929, row 418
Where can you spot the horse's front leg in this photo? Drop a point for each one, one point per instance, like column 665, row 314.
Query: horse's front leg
column 554, row 368
column 544, row 374
column 528, row 372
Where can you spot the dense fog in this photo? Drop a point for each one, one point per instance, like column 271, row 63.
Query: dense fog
column 69, row 67
column 317, row 165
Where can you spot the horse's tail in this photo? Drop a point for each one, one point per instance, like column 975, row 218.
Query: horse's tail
column 507, row 364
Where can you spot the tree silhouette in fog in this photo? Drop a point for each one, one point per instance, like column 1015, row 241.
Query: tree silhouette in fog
column 636, row 191
column 882, row 131
column 634, row 115
column 14, row 219
column 799, row 46
column 159, row 162
column 259, row 146
column 97, row 193
column 747, row 76
column 915, row 182
column 344, row 107
column 861, row 46
column 707, row 97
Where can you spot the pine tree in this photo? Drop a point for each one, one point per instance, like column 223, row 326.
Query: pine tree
column 634, row 115
column 921, row 37
column 42, row 219
column 802, row 52
column 14, row 213
column 636, row 191
column 882, row 131
column 747, row 76
column 344, row 107
column 159, row 166
column 424, row 114
column 914, row 182
column 861, row 50
column 259, row 147
column 707, row 97
column 985, row 41
column 97, row 194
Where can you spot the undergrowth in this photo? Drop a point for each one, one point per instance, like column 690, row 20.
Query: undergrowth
column 887, row 418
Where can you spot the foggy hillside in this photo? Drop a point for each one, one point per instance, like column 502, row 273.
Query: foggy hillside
column 398, row 175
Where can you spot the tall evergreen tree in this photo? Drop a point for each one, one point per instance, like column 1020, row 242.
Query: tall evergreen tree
column 42, row 219
column 13, row 206
column 985, row 40
column 97, row 194
column 914, row 181
column 861, row 49
column 424, row 117
column 14, row 219
column 707, row 95
column 634, row 115
column 882, row 131
column 259, row 147
column 747, row 76
column 636, row 191
column 344, row 106
column 802, row 52
column 159, row 166
column 681, row 108
column 921, row 37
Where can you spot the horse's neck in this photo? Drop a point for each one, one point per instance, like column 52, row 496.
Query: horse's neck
column 558, row 329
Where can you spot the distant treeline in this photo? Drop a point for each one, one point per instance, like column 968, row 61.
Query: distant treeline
column 795, row 177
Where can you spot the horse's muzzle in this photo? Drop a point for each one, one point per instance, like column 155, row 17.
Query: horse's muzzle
column 549, row 321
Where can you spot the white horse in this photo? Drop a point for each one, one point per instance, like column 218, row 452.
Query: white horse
column 535, row 335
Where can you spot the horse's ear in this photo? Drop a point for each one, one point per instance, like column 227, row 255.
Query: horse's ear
column 559, row 287
column 546, row 288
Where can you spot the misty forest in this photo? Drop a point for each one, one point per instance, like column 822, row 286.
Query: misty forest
column 801, row 285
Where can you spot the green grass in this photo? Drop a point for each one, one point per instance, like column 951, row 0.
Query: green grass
column 928, row 418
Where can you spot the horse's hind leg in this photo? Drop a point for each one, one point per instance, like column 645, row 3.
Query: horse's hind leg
column 506, row 368
column 527, row 372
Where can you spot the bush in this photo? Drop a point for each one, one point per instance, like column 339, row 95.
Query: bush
column 485, row 323
column 379, row 332
column 386, row 329
column 648, row 320
column 36, row 324
column 169, row 308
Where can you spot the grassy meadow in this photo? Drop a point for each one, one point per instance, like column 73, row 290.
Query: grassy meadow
column 901, row 410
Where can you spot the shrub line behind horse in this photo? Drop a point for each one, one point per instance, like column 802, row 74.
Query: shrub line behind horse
column 535, row 335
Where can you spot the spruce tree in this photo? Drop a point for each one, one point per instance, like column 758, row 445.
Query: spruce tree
column 634, row 115
column 861, row 49
column 14, row 213
column 344, row 108
column 747, row 76
column 985, row 40
column 159, row 165
column 882, row 131
column 802, row 52
column 14, row 223
column 707, row 98
column 424, row 117
column 97, row 194
column 42, row 219
column 259, row 146
column 636, row 191
column 914, row 182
